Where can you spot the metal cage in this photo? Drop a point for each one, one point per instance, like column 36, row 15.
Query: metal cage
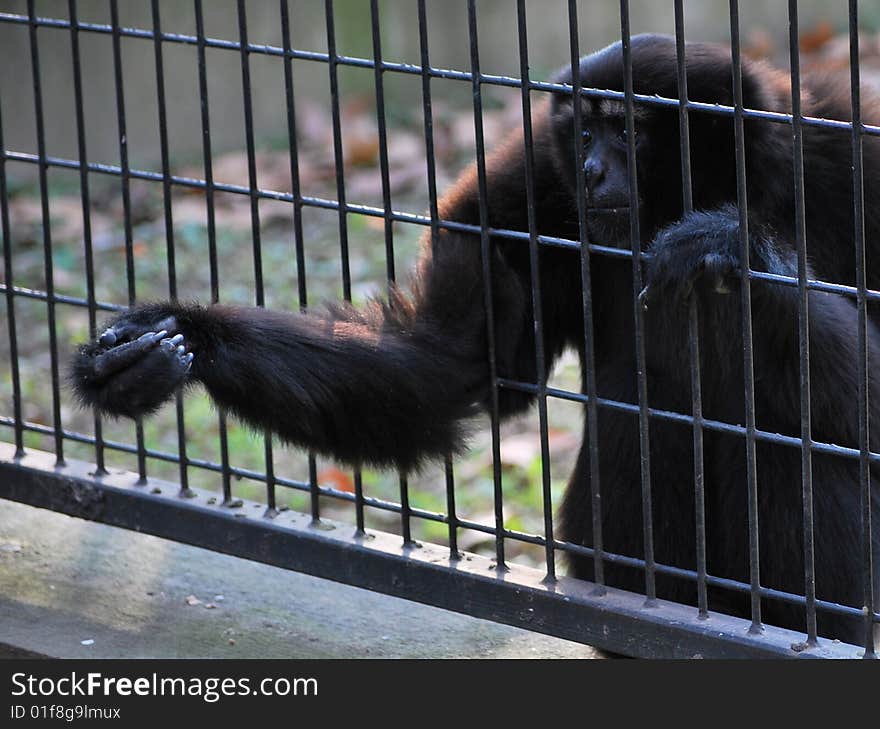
column 490, row 586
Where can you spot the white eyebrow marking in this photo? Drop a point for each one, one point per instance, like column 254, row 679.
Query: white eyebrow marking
column 612, row 107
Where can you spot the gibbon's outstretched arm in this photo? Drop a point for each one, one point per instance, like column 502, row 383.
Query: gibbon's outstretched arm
column 387, row 384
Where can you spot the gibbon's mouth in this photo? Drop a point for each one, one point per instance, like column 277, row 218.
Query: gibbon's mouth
column 609, row 225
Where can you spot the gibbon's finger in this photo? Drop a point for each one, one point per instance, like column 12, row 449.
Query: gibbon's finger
column 125, row 329
column 108, row 338
column 126, row 354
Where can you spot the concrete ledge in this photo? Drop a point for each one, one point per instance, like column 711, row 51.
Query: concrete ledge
column 65, row 582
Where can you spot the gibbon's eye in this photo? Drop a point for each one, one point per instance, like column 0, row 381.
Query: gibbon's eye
column 587, row 136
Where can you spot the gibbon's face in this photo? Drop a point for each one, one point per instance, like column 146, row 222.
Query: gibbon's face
column 605, row 143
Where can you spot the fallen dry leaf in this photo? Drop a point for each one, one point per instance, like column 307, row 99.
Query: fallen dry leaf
column 338, row 479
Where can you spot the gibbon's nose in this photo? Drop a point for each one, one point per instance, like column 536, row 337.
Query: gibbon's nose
column 594, row 172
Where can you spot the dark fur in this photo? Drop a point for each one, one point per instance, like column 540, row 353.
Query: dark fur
column 392, row 383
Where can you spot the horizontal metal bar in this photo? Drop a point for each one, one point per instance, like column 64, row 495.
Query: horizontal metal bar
column 489, row 530
column 414, row 69
column 60, row 298
column 402, row 217
column 294, row 484
column 570, row 608
column 827, row 287
column 717, row 425
column 238, row 472
column 315, row 202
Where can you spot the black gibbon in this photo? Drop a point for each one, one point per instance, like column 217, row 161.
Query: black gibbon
column 391, row 384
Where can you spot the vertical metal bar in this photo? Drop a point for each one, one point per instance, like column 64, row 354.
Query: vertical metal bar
column 298, row 231
column 225, row 473
column 339, row 161
column 746, row 296
column 428, row 116
column 125, row 179
column 389, row 232
column 405, row 511
column 378, row 77
column 47, row 237
column 255, row 223
column 683, row 120
column 803, row 322
column 10, row 299
column 294, row 156
column 452, row 516
column 638, row 316
column 163, row 150
column 861, row 286
column 587, row 297
column 486, row 256
column 100, row 468
column 169, row 225
column 693, row 322
column 537, row 308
